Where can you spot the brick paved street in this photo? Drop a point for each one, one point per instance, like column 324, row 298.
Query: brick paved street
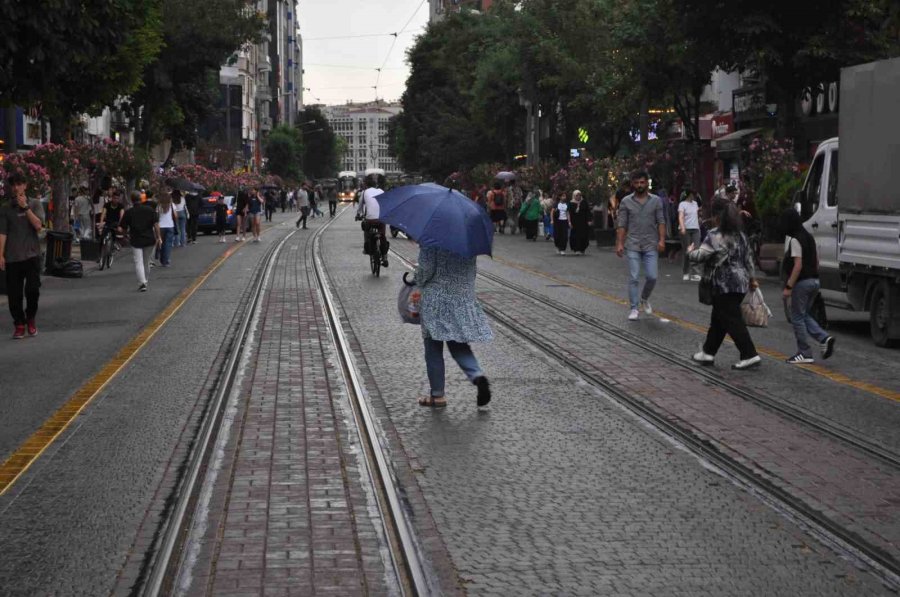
column 555, row 488
column 290, row 513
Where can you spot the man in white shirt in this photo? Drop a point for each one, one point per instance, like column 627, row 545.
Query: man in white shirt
column 370, row 211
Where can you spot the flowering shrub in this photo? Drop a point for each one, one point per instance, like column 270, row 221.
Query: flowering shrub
column 764, row 157
column 58, row 160
column 37, row 176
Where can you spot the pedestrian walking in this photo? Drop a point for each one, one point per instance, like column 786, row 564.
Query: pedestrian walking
column 180, row 208
column 496, row 202
column 254, row 212
column 221, row 213
column 302, row 198
column 641, row 234
column 580, row 220
column 83, row 214
column 192, row 203
column 20, row 255
column 167, row 223
column 240, row 213
column 332, row 201
column 547, row 204
column 560, row 218
column 689, row 227
column 514, row 201
column 801, row 264
column 531, row 212
column 726, row 255
column 450, row 313
column 269, row 204
column 141, row 222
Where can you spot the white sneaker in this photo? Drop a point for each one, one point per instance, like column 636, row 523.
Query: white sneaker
column 686, row 277
column 703, row 358
column 562, row 252
column 747, row 363
column 695, row 278
column 221, row 239
column 645, row 305
column 633, row 315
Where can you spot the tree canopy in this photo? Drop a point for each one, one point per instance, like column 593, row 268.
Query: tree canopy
column 284, row 152
column 320, row 150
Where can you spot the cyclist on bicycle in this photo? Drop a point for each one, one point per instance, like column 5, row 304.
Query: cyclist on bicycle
column 369, row 211
column 111, row 215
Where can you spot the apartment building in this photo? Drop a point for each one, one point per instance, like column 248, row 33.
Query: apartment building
column 364, row 126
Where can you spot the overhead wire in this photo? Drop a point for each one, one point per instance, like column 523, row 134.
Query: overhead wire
column 393, row 43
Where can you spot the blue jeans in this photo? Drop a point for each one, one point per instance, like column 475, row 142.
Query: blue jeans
column 165, row 252
column 649, row 260
column 181, row 235
column 802, row 298
column 434, row 363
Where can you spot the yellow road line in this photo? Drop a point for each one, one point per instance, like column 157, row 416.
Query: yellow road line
column 828, row 374
column 40, row 440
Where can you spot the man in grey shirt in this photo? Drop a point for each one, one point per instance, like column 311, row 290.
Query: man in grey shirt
column 20, row 254
column 302, row 197
column 641, row 234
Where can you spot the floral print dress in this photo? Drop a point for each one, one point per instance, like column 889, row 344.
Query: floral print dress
column 449, row 310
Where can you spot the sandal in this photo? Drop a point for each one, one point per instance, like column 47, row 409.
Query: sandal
column 433, row 401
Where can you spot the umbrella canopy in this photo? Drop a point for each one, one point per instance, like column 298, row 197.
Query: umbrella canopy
column 183, row 184
column 506, row 176
column 438, row 217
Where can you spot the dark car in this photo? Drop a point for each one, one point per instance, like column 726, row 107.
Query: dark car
column 207, row 220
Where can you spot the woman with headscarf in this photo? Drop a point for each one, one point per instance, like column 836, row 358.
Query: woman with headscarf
column 580, row 221
column 560, row 217
column 450, row 313
column 801, row 272
column 726, row 255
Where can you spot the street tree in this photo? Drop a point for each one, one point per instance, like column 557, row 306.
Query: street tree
column 320, row 158
column 284, row 152
column 181, row 88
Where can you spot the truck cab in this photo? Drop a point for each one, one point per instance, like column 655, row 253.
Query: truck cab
column 817, row 202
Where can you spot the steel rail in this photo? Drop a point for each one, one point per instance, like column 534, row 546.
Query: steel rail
column 791, row 412
column 166, row 559
column 409, row 560
column 831, row 533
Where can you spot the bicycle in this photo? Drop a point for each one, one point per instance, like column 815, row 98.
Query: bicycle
column 373, row 236
column 107, row 248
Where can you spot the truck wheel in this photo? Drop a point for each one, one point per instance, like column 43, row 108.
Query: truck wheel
column 880, row 316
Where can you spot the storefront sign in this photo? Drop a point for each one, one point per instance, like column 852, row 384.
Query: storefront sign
column 749, row 104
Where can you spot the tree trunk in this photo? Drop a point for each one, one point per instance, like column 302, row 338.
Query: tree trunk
column 60, row 128
column 59, row 197
column 645, row 120
column 12, row 140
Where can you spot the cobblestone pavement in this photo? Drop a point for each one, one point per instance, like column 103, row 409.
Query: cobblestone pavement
column 290, row 512
column 595, row 284
column 555, row 489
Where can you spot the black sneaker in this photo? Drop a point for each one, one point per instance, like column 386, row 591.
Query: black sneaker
column 484, row 390
column 384, row 262
column 142, row 288
column 827, row 347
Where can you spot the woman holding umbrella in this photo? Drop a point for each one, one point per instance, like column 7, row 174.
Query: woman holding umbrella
column 450, row 239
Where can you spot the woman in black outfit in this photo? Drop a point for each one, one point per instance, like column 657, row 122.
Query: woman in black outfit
column 580, row 215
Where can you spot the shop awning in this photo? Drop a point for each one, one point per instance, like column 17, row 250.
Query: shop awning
column 731, row 143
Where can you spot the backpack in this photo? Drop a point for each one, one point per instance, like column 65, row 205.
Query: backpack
column 498, row 199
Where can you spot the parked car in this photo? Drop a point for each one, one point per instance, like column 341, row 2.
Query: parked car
column 207, row 220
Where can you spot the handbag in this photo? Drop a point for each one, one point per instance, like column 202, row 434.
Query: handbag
column 705, row 289
column 754, row 309
column 408, row 302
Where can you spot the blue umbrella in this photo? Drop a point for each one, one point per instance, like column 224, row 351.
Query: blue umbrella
column 438, row 217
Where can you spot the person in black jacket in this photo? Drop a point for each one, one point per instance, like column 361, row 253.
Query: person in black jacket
column 802, row 287
column 580, row 215
column 192, row 203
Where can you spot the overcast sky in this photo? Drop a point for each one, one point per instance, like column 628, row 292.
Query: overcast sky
column 336, row 69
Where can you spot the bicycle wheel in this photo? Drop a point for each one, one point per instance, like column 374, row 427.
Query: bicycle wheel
column 375, row 260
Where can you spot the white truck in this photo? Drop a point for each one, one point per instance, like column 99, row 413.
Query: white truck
column 855, row 217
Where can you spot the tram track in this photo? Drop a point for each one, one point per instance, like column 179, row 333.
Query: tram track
column 837, row 536
column 167, row 555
